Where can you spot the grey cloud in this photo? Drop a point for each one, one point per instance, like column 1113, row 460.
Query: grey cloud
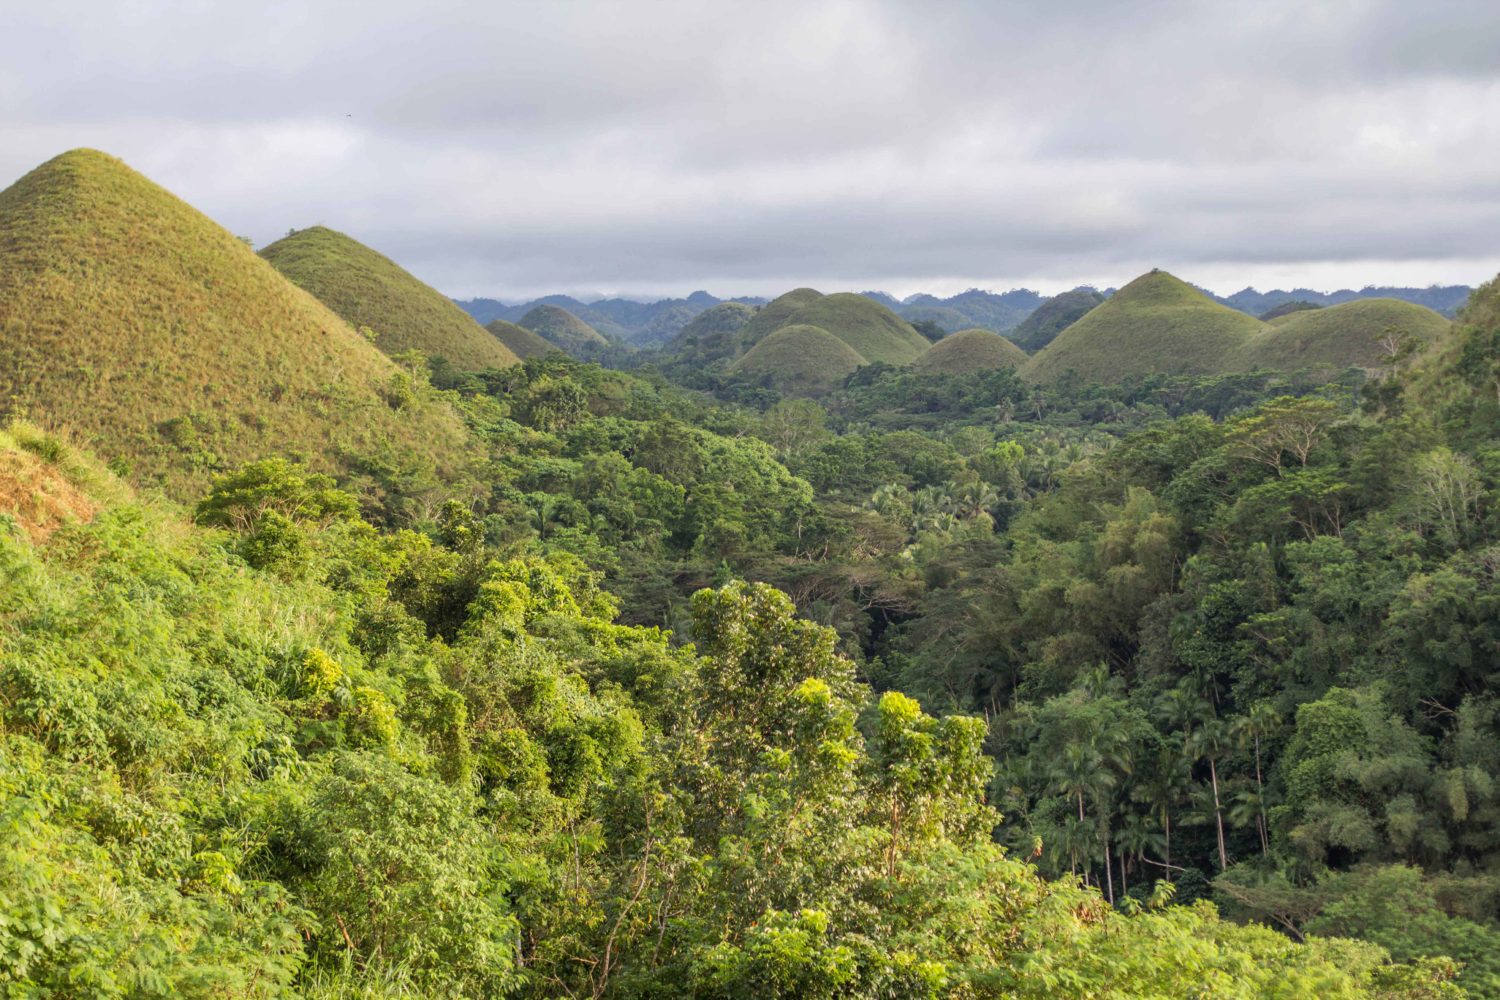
column 519, row 148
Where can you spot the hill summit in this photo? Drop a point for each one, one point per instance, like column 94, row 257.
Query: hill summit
column 371, row 290
column 800, row 359
column 968, row 351
column 1156, row 323
column 155, row 334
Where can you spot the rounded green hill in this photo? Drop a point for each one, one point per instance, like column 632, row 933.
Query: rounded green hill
column 968, row 351
column 777, row 313
column 1364, row 333
column 520, row 341
column 563, row 330
column 1156, row 324
column 873, row 331
column 799, row 359
column 371, row 290
column 154, row 334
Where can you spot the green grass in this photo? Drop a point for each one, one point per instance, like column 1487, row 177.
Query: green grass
column 1053, row 317
column 520, row 341
column 169, row 347
column 370, row 290
column 800, row 360
column 563, row 330
column 968, row 351
column 1157, row 323
column 873, row 331
column 1359, row 334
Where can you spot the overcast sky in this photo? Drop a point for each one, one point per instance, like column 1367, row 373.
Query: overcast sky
column 512, row 149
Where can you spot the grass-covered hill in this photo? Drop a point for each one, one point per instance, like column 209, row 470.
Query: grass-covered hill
column 1364, row 333
column 370, row 290
column 1053, row 317
column 518, row 340
column 968, row 351
column 164, row 341
column 564, row 330
column 1156, row 323
column 873, row 331
column 777, row 313
column 800, row 359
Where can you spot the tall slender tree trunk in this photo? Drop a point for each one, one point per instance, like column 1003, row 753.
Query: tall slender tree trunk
column 1109, row 867
column 1124, row 876
column 1260, row 804
column 1213, row 774
column 1166, row 823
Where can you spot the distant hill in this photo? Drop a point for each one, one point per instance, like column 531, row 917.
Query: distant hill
column 713, row 333
column 1445, row 299
column 974, row 308
column 777, row 313
column 163, row 341
column 370, row 290
column 800, row 359
column 1156, row 323
column 968, row 351
column 1364, row 333
column 873, row 331
column 564, row 330
column 1053, row 317
column 519, row 340
column 643, row 324
column 1286, row 309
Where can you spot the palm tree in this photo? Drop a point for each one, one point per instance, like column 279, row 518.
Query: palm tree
column 1134, row 839
column 1162, row 789
column 1247, row 807
column 1208, row 743
column 1261, row 721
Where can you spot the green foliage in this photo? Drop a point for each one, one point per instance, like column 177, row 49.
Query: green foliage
column 1054, row 316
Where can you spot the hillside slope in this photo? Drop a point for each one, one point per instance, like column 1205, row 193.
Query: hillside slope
column 800, row 359
column 1156, row 323
column 520, row 341
column 371, row 290
column 968, row 351
column 1359, row 334
column 153, row 333
column 564, row 330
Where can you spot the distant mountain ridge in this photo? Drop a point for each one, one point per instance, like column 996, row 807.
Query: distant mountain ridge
column 644, row 324
column 649, row 324
column 1445, row 299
